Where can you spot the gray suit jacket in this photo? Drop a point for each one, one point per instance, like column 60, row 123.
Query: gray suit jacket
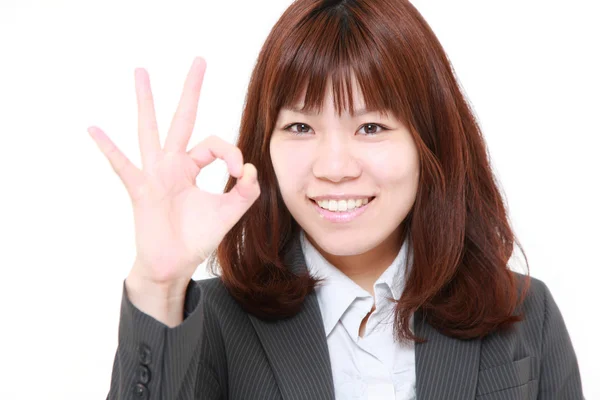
column 222, row 352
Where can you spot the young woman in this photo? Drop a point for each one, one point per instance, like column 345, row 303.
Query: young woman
column 361, row 242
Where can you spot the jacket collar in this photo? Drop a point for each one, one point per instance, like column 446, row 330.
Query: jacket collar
column 338, row 293
column 297, row 350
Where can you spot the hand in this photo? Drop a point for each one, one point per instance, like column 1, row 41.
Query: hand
column 177, row 225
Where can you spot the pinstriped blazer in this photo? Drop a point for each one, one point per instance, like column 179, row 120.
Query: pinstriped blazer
column 221, row 352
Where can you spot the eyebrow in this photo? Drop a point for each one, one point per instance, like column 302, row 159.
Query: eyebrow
column 357, row 113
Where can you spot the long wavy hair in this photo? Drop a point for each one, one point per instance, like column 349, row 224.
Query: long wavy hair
column 460, row 236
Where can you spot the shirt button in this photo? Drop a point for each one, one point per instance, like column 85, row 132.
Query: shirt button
column 143, row 374
column 140, row 391
column 145, row 354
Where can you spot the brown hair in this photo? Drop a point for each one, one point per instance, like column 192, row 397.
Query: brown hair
column 458, row 228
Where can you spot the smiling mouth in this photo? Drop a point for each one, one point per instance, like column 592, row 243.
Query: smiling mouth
column 345, row 205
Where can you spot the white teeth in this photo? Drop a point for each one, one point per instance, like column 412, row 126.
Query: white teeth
column 333, row 205
column 342, row 205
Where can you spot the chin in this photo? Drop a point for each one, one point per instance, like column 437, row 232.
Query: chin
column 341, row 244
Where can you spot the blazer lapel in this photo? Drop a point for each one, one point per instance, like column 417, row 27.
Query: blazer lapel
column 447, row 368
column 297, row 347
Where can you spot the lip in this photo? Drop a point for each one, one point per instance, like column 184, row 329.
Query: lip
column 341, row 197
column 341, row 217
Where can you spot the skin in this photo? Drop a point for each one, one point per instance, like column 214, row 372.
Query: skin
column 327, row 154
column 177, row 224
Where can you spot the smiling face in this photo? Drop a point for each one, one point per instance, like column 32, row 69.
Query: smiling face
column 322, row 156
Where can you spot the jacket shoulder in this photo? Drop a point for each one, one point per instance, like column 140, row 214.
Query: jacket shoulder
column 533, row 307
column 539, row 346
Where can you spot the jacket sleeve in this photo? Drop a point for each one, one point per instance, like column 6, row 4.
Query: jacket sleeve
column 156, row 362
column 559, row 372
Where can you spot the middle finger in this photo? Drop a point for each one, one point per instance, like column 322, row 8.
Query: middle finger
column 184, row 119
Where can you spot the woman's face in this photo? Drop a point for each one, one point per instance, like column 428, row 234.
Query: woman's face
column 325, row 157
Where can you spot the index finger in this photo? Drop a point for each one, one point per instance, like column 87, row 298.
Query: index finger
column 214, row 147
column 147, row 126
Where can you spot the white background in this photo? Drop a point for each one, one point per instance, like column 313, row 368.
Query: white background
column 530, row 68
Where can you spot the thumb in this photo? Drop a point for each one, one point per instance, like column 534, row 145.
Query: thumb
column 239, row 199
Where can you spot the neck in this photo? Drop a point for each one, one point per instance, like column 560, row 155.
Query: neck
column 366, row 268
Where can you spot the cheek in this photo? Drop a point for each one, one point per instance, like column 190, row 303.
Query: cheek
column 291, row 167
column 394, row 165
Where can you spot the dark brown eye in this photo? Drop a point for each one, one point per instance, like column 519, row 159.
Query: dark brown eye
column 302, row 128
column 371, row 129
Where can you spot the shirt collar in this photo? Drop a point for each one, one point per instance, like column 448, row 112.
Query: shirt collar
column 338, row 291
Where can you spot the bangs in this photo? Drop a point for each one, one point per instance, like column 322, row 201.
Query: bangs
column 331, row 44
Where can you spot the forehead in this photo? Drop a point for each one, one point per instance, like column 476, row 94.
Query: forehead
column 358, row 111
column 350, row 94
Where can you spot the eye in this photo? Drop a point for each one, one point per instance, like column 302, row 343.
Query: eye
column 301, row 126
column 372, row 129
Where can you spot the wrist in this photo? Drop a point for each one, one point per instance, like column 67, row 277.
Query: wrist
column 166, row 292
column 162, row 302
column 167, row 289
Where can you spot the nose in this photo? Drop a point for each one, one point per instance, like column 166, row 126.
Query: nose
column 335, row 159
